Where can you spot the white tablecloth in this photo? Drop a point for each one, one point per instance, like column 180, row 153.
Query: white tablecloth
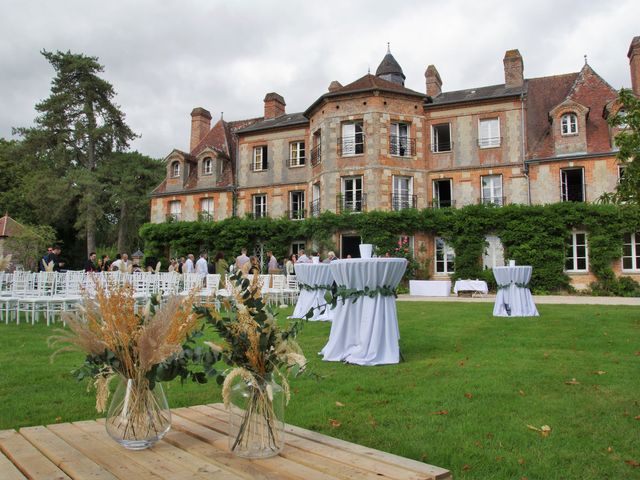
column 471, row 286
column 365, row 332
column 430, row 288
column 513, row 299
column 312, row 274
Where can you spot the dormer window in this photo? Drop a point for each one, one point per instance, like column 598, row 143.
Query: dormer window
column 175, row 169
column 207, row 166
column 569, row 124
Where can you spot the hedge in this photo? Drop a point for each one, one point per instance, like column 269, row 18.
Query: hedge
column 532, row 235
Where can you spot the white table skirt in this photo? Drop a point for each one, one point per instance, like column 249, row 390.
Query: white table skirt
column 470, row 285
column 514, row 300
column 365, row 332
column 430, row 288
column 313, row 274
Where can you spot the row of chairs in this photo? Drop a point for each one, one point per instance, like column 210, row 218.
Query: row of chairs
column 29, row 295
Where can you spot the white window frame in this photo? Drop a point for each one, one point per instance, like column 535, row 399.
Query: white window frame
column 496, row 191
column 297, row 154
column 353, row 192
column 437, row 201
column 259, row 208
column 175, row 169
column 301, row 207
column 298, row 245
column 573, row 250
column 564, row 187
column 621, row 169
column 405, row 199
column 350, row 143
column 207, row 166
column 400, row 140
column 569, row 123
column 447, row 253
column 634, row 249
column 489, row 132
column 208, row 212
column 175, row 209
column 435, row 142
column 257, row 162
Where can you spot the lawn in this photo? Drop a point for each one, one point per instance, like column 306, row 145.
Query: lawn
column 463, row 399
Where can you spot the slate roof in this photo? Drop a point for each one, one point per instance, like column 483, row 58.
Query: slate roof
column 389, row 65
column 475, row 94
column 286, row 120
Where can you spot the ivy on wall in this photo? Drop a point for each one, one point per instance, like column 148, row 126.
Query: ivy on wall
column 532, row 235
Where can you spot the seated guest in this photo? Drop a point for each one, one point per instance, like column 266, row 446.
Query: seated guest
column 330, row 257
column 302, row 258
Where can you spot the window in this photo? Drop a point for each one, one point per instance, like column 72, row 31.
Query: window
column 442, row 193
column 352, row 196
column 175, row 169
column 399, row 141
column 631, row 252
column 622, row 114
column 572, row 185
column 444, row 257
column 569, row 124
column 489, row 133
column 441, row 138
column 175, row 209
column 259, row 162
column 297, row 245
column 621, row 169
column 206, row 209
column 296, row 205
column 315, row 203
column 207, row 166
column 492, row 190
column 352, row 140
column 402, row 196
column 493, row 255
column 316, row 152
column 259, row 206
column 577, row 254
column 296, row 154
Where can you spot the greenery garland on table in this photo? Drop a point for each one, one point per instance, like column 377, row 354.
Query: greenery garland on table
column 534, row 235
column 313, row 288
column 517, row 284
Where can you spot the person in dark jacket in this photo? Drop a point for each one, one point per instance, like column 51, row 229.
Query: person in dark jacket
column 90, row 264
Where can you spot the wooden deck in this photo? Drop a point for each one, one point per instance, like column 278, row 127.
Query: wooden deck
column 196, row 447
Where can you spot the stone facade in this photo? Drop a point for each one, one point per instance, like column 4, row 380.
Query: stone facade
column 374, row 144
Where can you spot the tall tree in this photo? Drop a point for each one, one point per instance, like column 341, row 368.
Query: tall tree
column 627, row 120
column 78, row 127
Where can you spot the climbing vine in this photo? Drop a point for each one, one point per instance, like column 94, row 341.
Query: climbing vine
column 532, row 235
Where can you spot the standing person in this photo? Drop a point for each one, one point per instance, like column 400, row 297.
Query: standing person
column 289, row 267
column 124, row 263
column 221, row 268
column 51, row 256
column 302, row 258
column 201, row 264
column 242, row 258
column 181, row 265
column 254, row 266
column 173, row 265
column 330, row 257
column 115, row 265
column 103, row 263
column 188, row 266
column 272, row 266
column 90, row 264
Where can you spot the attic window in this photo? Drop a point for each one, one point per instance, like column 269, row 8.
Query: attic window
column 175, row 169
column 207, row 166
column 569, row 124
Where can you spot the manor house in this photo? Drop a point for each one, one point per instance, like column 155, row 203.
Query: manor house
column 374, row 144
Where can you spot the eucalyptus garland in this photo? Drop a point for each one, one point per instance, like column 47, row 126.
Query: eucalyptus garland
column 313, row 288
column 517, row 284
column 343, row 293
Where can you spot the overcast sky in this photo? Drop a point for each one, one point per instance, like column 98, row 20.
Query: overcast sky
column 166, row 57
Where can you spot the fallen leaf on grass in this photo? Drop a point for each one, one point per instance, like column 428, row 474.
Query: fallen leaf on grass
column 372, row 422
column 633, row 463
column 521, row 461
column 424, row 457
column 440, row 412
column 334, row 423
column 638, row 353
column 521, row 393
column 544, row 430
column 58, row 419
column 599, row 372
column 573, row 381
column 469, row 395
column 466, row 467
column 637, row 417
column 339, row 404
column 609, row 449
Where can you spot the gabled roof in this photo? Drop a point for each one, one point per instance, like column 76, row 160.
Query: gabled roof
column 9, row 227
column 475, row 94
column 367, row 83
column 286, row 120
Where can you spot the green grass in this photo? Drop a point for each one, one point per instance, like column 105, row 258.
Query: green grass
column 494, row 376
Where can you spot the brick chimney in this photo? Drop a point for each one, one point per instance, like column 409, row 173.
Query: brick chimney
column 335, row 86
column 434, row 83
column 513, row 69
column 200, row 126
column 634, row 64
column 273, row 105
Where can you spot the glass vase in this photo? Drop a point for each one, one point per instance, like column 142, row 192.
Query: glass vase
column 138, row 416
column 256, row 418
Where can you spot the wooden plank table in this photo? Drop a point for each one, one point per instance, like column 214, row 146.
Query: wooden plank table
column 195, row 448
